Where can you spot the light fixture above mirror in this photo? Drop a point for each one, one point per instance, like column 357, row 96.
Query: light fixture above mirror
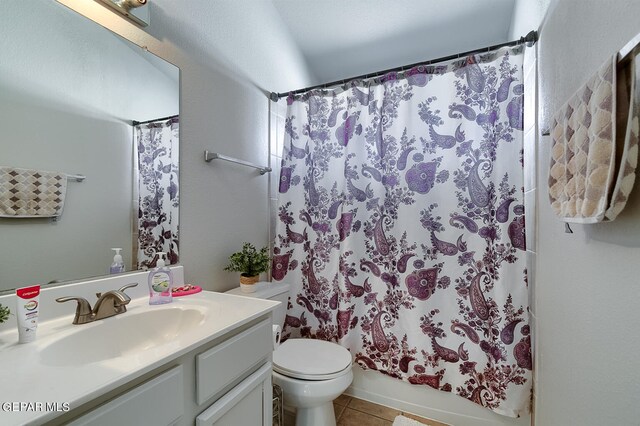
column 136, row 11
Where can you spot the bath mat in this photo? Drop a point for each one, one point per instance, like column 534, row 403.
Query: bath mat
column 28, row 193
column 581, row 172
column 405, row 421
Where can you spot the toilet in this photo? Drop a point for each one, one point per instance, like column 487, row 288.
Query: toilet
column 311, row 373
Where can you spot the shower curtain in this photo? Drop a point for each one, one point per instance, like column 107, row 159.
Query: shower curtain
column 157, row 187
column 401, row 226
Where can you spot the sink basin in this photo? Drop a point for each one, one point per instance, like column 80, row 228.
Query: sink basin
column 131, row 333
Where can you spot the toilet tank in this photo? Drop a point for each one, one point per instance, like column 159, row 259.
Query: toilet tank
column 270, row 291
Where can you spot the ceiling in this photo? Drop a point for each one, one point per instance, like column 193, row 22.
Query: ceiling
column 282, row 45
column 344, row 38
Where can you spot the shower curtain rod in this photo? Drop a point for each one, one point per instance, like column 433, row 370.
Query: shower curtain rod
column 532, row 38
column 135, row 123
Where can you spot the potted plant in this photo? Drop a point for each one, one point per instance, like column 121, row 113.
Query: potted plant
column 250, row 263
column 4, row 313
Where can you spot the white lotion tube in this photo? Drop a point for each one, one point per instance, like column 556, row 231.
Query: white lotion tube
column 27, row 314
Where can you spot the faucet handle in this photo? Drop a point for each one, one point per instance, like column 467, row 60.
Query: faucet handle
column 121, row 289
column 124, row 287
column 83, row 305
column 126, row 296
column 83, row 309
column 121, row 307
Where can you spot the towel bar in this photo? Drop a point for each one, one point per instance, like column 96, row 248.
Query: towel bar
column 208, row 156
column 77, row 178
column 629, row 47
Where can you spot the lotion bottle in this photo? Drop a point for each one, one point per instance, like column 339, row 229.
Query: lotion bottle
column 118, row 264
column 160, row 282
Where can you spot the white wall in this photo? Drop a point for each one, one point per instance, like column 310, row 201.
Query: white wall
column 223, row 107
column 67, row 90
column 587, row 285
column 527, row 16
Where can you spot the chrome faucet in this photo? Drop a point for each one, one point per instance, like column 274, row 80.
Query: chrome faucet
column 111, row 303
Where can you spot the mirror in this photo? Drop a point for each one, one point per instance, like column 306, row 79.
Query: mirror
column 70, row 91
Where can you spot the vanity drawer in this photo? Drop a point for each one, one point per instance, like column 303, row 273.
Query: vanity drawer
column 247, row 403
column 220, row 366
column 156, row 402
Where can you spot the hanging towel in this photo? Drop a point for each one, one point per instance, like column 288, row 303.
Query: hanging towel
column 583, row 157
column 628, row 159
column 31, row 193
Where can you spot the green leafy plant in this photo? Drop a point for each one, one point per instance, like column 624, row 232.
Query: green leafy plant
column 249, row 262
column 4, row 313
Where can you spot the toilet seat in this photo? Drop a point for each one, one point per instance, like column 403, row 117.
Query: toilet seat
column 310, row 359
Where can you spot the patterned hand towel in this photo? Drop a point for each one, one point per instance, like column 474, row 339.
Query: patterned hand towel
column 583, row 151
column 31, row 193
column 628, row 160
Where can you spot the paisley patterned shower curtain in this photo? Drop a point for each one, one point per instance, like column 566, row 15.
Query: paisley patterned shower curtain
column 401, row 226
column 157, row 186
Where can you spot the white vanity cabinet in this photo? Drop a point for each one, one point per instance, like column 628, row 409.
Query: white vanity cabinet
column 248, row 402
column 150, row 403
column 226, row 382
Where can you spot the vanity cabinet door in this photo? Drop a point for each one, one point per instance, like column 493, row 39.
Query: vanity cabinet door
column 156, row 402
column 219, row 367
column 248, row 403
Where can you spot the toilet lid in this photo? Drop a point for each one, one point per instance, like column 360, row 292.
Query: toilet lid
column 311, row 359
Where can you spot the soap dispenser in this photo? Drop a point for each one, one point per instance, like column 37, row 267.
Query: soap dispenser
column 118, row 264
column 160, row 282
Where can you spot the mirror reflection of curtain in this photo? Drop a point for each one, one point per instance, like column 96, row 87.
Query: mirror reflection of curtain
column 158, row 195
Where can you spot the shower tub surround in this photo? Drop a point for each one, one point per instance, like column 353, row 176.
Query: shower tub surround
column 110, row 369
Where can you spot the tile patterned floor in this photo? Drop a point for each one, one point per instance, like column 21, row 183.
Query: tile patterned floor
column 352, row 411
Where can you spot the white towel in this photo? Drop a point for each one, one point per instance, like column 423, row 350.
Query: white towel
column 28, row 193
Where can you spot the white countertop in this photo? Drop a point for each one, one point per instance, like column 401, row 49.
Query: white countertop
column 27, row 377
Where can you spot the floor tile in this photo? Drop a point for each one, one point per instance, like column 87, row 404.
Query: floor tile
column 350, row 411
column 338, row 410
column 342, row 400
column 357, row 418
column 373, row 409
column 289, row 419
column 423, row 420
